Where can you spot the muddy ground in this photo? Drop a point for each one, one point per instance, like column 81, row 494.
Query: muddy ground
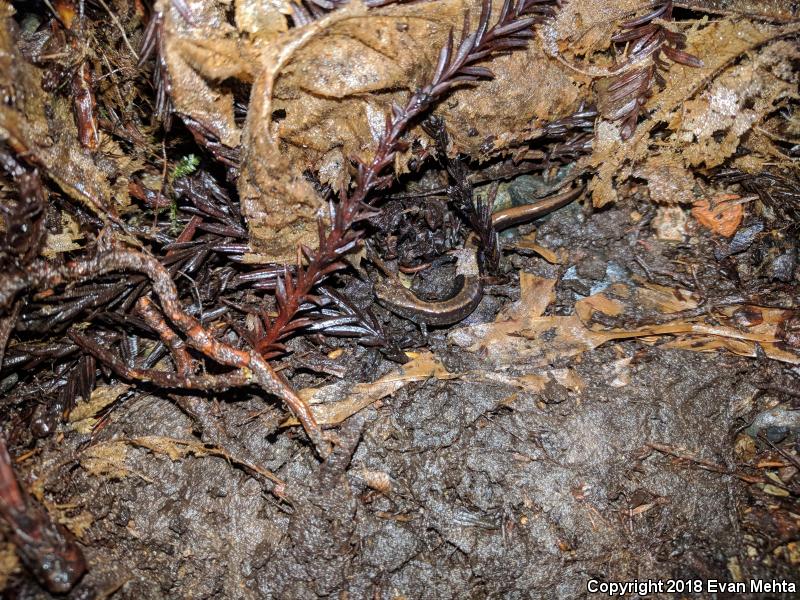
column 448, row 488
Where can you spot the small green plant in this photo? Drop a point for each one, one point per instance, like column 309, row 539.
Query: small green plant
column 186, row 166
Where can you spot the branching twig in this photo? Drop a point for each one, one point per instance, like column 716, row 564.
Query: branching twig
column 43, row 275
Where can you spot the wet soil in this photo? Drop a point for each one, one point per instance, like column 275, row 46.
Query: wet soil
column 447, row 489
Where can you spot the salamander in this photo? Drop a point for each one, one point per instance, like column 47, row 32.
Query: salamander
column 403, row 302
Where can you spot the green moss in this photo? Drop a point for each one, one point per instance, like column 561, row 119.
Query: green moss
column 186, row 166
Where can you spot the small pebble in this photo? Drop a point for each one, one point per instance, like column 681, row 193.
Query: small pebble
column 593, row 267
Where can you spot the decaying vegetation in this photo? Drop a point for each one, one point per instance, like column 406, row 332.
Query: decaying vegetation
column 198, row 198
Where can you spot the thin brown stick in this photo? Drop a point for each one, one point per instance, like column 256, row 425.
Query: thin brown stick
column 702, row 463
column 6, row 327
column 148, row 312
column 164, row 379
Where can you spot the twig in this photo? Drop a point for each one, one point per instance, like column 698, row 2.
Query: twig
column 6, row 327
column 702, row 463
column 645, row 40
column 120, row 27
column 461, row 194
column 148, row 312
column 44, row 547
column 44, row 275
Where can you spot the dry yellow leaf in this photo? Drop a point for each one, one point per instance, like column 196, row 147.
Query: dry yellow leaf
column 334, row 403
column 78, row 524
column 774, row 490
column 41, row 126
column 66, row 241
column 82, row 416
column 615, row 161
column 106, row 460
column 529, row 339
column 549, row 255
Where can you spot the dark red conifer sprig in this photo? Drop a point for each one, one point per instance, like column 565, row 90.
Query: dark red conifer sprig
column 455, row 66
column 644, row 38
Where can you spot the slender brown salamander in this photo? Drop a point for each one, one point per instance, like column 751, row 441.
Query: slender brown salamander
column 402, row 301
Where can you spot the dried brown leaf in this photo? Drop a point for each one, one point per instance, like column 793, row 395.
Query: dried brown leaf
column 82, row 416
column 773, row 10
column 9, row 563
column 321, row 93
column 200, row 55
column 668, row 181
column 66, row 241
column 334, row 403
column 537, row 341
column 721, row 216
column 719, row 44
column 78, row 524
column 106, row 460
column 738, row 100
